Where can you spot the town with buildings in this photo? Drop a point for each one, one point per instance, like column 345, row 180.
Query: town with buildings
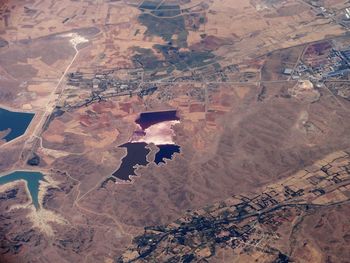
column 254, row 223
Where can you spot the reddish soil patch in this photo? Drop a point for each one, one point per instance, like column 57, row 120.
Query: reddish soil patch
column 318, row 49
column 103, row 106
column 125, row 106
column 210, row 43
column 85, row 120
column 197, row 108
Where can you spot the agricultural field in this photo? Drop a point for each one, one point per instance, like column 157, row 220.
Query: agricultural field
column 174, row 131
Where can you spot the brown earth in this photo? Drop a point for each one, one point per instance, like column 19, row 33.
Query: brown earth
column 240, row 126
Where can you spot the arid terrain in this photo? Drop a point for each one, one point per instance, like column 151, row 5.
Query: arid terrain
column 175, row 131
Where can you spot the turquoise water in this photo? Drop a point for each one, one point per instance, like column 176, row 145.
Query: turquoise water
column 32, row 179
column 17, row 122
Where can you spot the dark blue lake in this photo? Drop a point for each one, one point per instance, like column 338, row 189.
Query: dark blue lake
column 136, row 154
column 166, row 151
column 32, row 180
column 137, row 151
column 148, row 119
column 16, row 122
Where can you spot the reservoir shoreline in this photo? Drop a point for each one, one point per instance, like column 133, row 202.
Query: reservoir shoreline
column 15, row 124
column 32, row 180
